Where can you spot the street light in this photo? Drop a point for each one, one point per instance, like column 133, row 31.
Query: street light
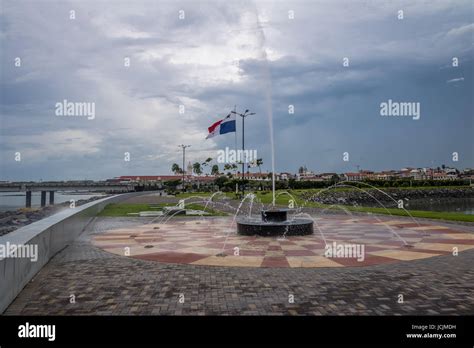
column 244, row 115
column 184, row 154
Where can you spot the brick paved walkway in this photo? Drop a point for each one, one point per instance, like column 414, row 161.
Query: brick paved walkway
column 104, row 283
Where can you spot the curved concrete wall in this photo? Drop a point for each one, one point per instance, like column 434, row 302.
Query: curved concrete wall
column 51, row 235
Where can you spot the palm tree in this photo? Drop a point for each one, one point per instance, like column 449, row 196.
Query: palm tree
column 197, row 168
column 176, row 169
column 207, row 162
column 259, row 164
column 215, row 169
column 229, row 166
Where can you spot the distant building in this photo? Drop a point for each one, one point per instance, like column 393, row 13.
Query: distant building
column 258, row 176
column 386, row 175
column 404, row 173
column 160, row 179
column 328, row 176
column 354, row 176
column 444, row 176
column 286, row 176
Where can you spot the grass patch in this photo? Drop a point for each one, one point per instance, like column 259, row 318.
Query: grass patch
column 416, row 213
column 284, row 200
column 184, row 195
column 124, row 209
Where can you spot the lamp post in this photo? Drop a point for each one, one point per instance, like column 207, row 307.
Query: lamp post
column 244, row 115
column 184, row 154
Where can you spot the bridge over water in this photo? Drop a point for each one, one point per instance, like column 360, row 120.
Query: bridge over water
column 89, row 186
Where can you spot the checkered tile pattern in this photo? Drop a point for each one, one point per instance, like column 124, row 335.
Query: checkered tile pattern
column 214, row 242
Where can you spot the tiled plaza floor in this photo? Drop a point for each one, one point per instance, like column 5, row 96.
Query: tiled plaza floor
column 213, row 242
column 104, row 283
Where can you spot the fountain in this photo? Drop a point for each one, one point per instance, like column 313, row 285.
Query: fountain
column 274, row 222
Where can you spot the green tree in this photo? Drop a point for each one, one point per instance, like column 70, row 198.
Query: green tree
column 197, row 168
column 172, row 185
column 215, row 169
column 221, row 181
column 176, row 169
column 259, row 164
column 229, row 166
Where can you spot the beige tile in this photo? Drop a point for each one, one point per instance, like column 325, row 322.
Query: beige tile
column 443, row 246
column 402, row 254
column 275, row 253
column 114, row 241
column 412, row 240
column 391, row 222
column 389, row 246
column 433, row 227
column 457, row 236
column 311, row 261
column 231, row 261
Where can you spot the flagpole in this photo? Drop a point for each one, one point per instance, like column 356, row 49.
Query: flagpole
column 243, row 151
column 235, row 113
column 244, row 115
column 235, row 144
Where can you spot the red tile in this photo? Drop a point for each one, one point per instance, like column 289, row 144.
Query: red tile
column 452, row 231
column 313, row 246
column 369, row 260
column 213, row 245
column 259, row 242
column 252, row 252
column 148, row 240
column 407, row 225
column 428, row 251
column 275, row 261
column 286, row 242
column 299, row 253
column 113, row 246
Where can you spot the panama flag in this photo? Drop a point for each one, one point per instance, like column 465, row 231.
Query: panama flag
column 227, row 125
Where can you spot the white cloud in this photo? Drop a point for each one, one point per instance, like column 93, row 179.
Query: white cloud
column 455, row 80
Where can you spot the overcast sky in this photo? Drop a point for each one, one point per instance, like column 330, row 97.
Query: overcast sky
column 225, row 53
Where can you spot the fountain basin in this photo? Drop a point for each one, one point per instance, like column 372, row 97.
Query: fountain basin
column 297, row 227
column 274, row 222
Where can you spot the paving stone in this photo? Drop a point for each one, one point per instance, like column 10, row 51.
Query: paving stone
column 105, row 283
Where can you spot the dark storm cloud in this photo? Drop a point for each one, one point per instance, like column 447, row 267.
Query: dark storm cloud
column 215, row 59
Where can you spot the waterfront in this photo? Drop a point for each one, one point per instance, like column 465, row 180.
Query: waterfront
column 15, row 200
